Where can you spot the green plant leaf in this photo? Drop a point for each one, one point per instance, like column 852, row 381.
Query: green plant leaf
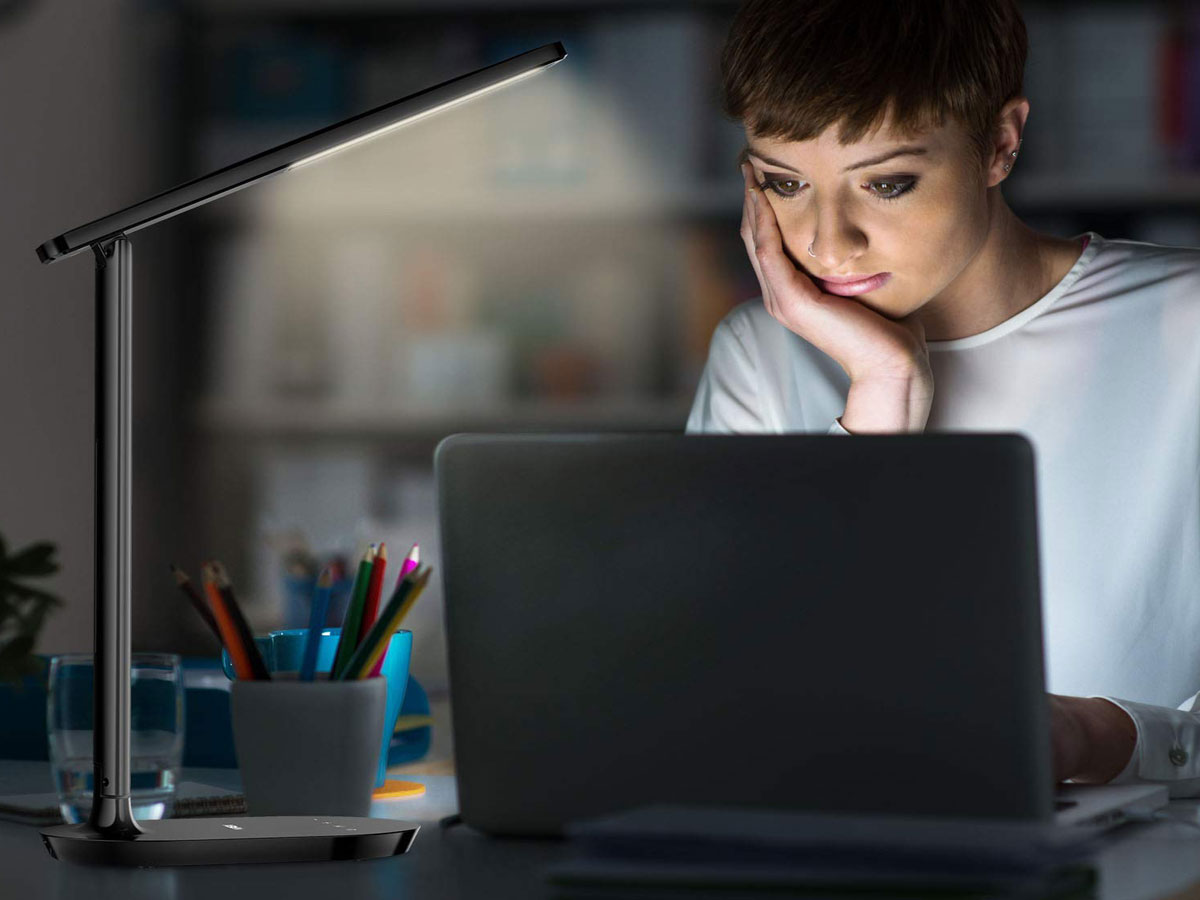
column 36, row 559
column 34, row 617
column 23, row 592
column 16, row 658
column 23, row 609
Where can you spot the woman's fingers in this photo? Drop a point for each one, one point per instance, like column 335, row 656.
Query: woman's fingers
column 773, row 262
column 778, row 275
column 749, row 228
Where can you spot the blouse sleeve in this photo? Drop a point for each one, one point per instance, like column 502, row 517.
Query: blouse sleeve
column 728, row 400
column 1168, row 746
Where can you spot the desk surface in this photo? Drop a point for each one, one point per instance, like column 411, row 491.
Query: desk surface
column 1138, row 861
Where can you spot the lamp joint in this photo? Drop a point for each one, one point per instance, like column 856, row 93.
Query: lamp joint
column 104, row 249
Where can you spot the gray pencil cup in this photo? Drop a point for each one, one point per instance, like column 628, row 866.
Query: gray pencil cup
column 308, row 748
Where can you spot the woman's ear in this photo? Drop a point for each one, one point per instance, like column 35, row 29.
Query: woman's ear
column 1006, row 144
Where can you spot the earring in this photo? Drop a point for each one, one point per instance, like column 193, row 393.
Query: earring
column 1020, row 141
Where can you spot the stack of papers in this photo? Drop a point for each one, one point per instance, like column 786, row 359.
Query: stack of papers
column 669, row 850
column 191, row 799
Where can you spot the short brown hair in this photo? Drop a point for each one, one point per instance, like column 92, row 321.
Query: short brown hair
column 792, row 68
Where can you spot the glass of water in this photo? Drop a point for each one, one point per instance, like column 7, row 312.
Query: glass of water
column 156, row 733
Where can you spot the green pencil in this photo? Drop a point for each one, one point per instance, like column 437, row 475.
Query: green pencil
column 375, row 644
column 348, row 642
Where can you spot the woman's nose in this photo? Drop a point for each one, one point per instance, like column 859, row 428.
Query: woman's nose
column 833, row 240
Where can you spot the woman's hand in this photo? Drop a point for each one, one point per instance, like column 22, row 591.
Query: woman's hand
column 1092, row 739
column 887, row 361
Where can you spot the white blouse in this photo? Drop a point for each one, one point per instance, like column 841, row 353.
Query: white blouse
column 1102, row 374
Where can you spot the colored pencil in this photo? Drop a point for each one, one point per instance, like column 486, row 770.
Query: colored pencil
column 198, row 602
column 371, row 605
column 258, row 667
column 379, row 633
column 410, row 562
column 229, row 634
column 316, row 624
column 338, row 564
column 412, row 722
column 348, row 642
column 380, row 636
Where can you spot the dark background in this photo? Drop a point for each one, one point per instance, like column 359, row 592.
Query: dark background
column 554, row 256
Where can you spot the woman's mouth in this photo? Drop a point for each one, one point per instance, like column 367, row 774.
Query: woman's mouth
column 855, row 285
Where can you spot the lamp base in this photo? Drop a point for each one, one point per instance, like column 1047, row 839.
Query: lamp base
column 225, row 840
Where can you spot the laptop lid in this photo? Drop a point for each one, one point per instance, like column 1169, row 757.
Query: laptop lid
column 787, row 621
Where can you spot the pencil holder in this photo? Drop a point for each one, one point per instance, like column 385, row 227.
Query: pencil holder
column 283, row 651
column 308, row 748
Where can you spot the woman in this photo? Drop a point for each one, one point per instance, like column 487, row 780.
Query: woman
column 901, row 294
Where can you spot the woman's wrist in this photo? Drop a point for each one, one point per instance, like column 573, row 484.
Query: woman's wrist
column 1109, row 742
column 889, row 404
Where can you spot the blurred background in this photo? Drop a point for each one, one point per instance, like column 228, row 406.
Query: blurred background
column 553, row 257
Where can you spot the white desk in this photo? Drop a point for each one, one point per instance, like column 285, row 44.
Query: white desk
column 1138, row 862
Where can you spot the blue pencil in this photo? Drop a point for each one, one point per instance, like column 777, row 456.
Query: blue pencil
column 316, row 624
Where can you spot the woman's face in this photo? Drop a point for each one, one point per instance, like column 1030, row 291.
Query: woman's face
column 919, row 216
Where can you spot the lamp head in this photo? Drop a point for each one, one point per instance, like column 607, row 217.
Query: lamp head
column 301, row 151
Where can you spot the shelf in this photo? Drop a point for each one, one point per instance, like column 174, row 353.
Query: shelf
column 315, row 420
column 1029, row 192
column 1088, row 191
column 423, row 7
column 566, row 205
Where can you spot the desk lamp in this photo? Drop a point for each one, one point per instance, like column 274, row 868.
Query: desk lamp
column 112, row 835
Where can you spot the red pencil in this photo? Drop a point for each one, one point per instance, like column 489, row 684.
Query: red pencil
column 374, row 586
column 410, row 562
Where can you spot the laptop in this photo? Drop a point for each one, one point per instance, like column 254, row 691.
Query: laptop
column 787, row 622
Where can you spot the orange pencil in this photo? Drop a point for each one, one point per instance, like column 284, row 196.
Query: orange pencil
column 258, row 667
column 189, row 590
column 229, row 635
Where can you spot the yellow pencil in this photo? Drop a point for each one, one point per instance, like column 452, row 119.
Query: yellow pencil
column 380, row 635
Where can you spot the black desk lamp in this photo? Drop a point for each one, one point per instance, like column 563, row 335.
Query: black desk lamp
column 111, row 835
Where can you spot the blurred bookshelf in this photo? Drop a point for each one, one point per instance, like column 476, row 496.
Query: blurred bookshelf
column 625, row 134
column 431, row 423
column 555, row 257
column 390, row 7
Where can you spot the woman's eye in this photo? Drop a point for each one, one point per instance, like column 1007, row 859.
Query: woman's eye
column 890, row 190
column 883, row 190
column 784, row 187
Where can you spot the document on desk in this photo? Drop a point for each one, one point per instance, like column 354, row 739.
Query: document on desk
column 671, row 847
column 191, row 799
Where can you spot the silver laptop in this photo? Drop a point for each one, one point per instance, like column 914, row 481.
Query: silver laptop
column 795, row 622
